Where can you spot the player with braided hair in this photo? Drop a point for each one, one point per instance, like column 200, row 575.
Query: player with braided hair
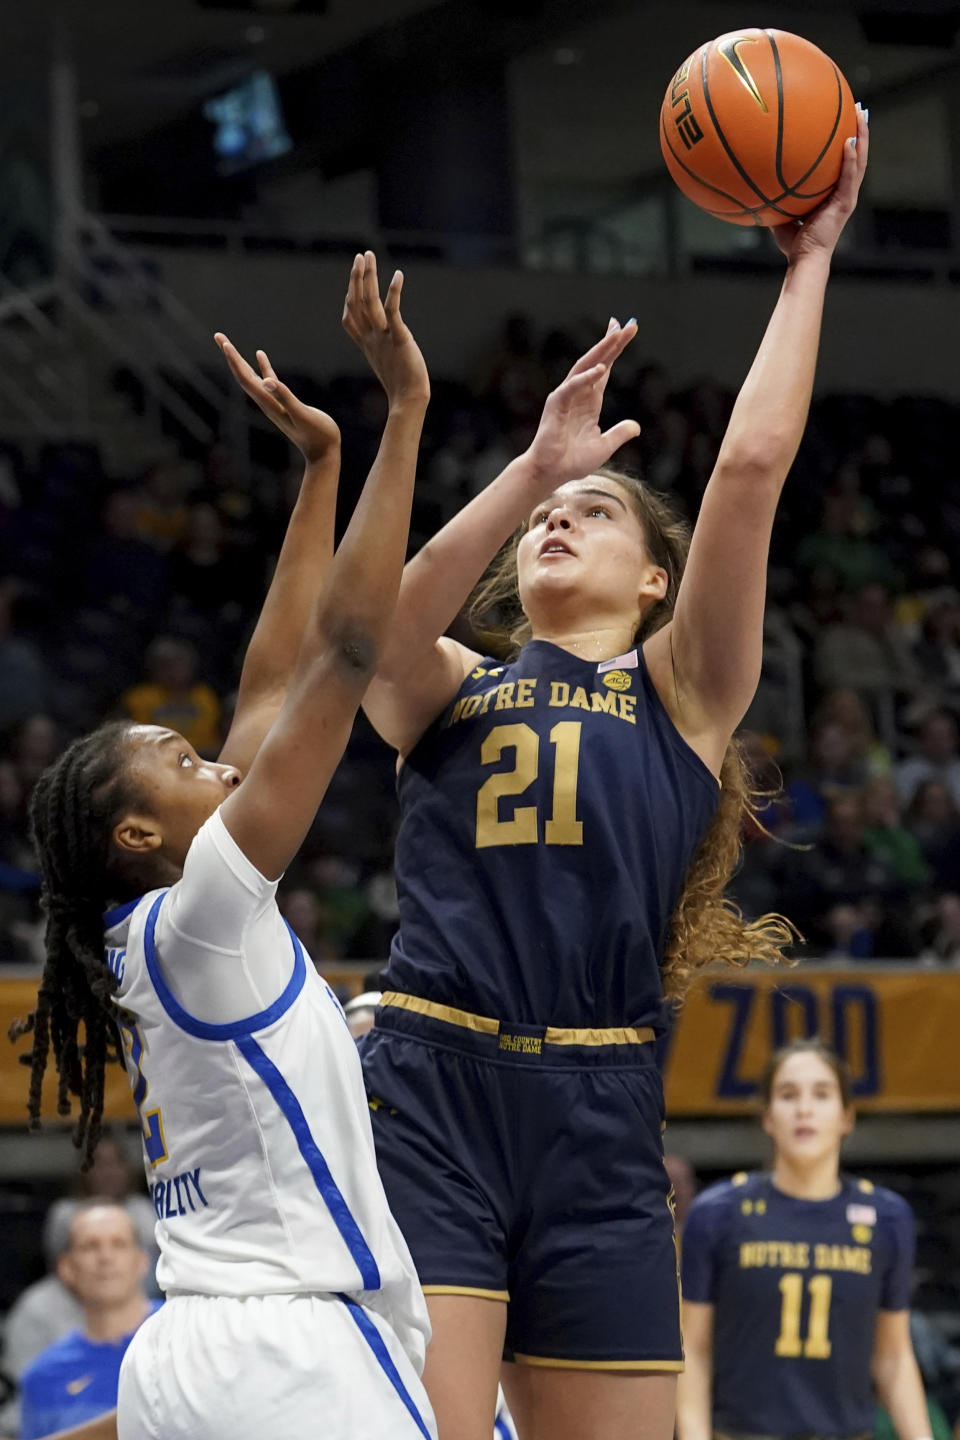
column 289, row 1286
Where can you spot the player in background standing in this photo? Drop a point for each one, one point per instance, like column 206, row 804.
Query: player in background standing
column 797, row 1282
column 562, row 854
column 291, row 1299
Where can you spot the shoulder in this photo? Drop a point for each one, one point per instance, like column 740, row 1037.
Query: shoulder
column 875, row 1205
column 718, row 1201
column 61, row 1354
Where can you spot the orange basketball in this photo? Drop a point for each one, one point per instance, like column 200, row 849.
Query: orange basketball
column 752, row 126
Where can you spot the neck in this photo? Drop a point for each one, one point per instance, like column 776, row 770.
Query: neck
column 816, row 1180
column 111, row 1322
column 599, row 642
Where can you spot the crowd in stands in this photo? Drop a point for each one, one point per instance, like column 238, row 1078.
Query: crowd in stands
column 136, row 596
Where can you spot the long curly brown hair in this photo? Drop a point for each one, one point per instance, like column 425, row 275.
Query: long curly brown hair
column 706, row 927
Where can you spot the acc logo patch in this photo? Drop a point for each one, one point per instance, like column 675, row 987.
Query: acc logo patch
column 617, row 680
column 862, row 1234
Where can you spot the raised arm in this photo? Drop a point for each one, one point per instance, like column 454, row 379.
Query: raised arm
column 421, row 670
column 706, row 663
column 271, row 811
column 303, row 560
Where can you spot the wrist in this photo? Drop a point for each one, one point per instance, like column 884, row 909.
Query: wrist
column 319, row 463
column 411, row 404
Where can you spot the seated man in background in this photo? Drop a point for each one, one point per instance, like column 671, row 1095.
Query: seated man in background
column 75, row 1379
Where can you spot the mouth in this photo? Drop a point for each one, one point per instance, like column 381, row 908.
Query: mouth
column 804, row 1132
column 554, row 547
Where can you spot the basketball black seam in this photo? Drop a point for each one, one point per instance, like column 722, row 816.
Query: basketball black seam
column 734, row 199
column 836, row 126
column 779, row 74
column 719, row 132
column 705, row 183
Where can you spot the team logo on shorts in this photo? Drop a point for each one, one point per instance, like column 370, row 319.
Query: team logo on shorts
column 617, row 680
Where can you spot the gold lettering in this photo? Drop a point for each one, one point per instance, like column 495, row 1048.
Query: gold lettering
column 458, row 710
column 470, row 706
column 525, row 689
column 505, row 695
column 559, row 693
column 580, row 701
column 486, row 701
column 628, row 703
column 607, row 702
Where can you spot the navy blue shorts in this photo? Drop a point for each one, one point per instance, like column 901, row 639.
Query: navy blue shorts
column 532, row 1173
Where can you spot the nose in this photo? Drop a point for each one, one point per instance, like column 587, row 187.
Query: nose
column 231, row 776
column 558, row 519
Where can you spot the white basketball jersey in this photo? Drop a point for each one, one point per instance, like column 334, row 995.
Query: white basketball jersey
column 256, row 1130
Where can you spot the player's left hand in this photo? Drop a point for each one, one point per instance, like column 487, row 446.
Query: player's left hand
column 379, row 329
column 313, row 432
column 821, row 229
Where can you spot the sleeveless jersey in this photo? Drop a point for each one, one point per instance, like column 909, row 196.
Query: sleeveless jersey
column 256, row 1132
column 796, row 1286
column 548, row 818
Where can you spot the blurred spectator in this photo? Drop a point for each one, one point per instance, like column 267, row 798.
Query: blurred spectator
column 938, row 647
column 834, row 768
column 887, row 838
column 110, row 1177
column 516, row 383
column 844, row 707
column 120, row 571
column 938, row 758
column 867, row 653
column 840, row 869
column 205, row 574
column 841, row 546
column 161, row 504
column 174, row 696
column 44, row 1312
column 25, row 683
column 933, row 818
column 943, row 947
column 36, row 744
column 76, row 1378
column 303, row 912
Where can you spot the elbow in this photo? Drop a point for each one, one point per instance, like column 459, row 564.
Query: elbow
column 352, row 647
column 763, row 459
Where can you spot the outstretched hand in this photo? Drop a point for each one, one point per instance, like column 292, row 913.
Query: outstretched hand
column 569, row 443
column 821, row 229
column 313, row 432
column 379, row 329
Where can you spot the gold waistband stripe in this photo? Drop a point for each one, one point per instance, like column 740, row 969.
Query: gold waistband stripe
column 485, row 1025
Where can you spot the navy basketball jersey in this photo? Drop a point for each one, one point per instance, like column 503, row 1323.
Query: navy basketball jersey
column 796, row 1286
column 549, row 817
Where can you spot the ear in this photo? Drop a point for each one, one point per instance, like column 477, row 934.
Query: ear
column 137, row 834
column 849, row 1120
column 655, row 583
column 65, row 1269
column 765, row 1123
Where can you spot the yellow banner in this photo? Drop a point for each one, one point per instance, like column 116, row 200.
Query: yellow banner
column 898, row 1029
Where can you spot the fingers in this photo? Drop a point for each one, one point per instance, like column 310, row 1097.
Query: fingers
column 578, row 385
column 363, row 310
column 606, row 350
column 391, row 304
column 618, row 435
column 265, row 389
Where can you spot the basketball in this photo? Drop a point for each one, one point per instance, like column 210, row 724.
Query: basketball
column 753, row 125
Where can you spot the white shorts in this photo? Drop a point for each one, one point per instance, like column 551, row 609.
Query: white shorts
column 269, row 1367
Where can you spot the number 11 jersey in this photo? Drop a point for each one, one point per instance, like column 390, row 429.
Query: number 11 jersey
column 549, row 817
column 796, row 1286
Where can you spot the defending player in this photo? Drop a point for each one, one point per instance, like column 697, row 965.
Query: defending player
column 563, row 836
column 797, row 1283
column 291, row 1294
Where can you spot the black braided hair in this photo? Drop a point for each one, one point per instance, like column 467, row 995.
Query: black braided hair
column 73, row 810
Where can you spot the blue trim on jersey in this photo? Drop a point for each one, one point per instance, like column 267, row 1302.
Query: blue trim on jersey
column 119, row 912
column 325, row 1183
column 203, row 1029
column 500, row 1428
column 377, row 1344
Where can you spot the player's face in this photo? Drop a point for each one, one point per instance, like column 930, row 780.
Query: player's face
column 104, row 1264
column 177, row 791
column 585, row 544
column 806, row 1118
